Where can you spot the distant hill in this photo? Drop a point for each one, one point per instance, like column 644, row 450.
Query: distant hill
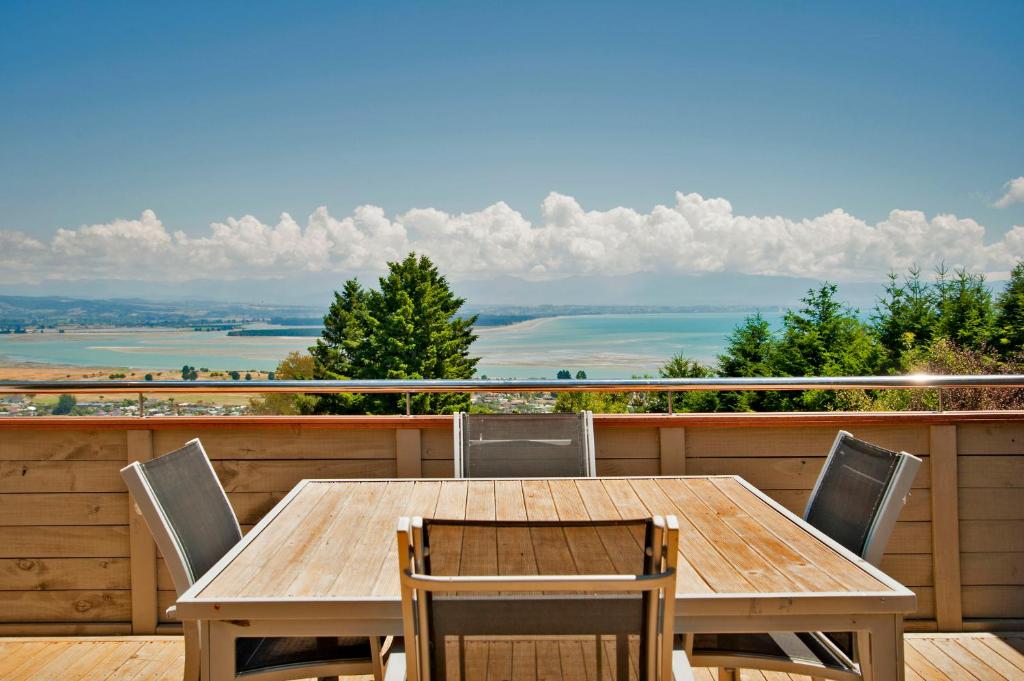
column 18, row 312
column 51, row 311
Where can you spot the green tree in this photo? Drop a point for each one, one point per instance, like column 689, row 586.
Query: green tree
column 581, row 375
column 824, row 338
column 189, row 373
column 679, row 366
column 905, row 318
column 966, row 316
column 296, row 366
column 234, row 375
column 409, row 329
column 563, row 374
column 65, row 404
column 750, row 351
column 148, row 377
column 1009, row 324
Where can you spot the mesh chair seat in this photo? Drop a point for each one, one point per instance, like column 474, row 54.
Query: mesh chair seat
column 261, row 654
column 784, row 648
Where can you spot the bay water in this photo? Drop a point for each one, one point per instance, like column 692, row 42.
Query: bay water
column 604, row 346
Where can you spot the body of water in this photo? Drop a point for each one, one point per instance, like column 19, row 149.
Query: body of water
column 605, row 346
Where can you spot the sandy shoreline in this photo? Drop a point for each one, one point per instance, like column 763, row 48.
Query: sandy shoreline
column 527, row 325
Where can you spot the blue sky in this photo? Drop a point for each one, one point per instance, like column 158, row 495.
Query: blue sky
column 200, row 113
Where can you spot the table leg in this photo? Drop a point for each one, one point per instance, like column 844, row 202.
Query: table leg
column 887, row 649
column 222, row 652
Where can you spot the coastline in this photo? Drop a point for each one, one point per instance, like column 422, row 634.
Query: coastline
column 526, row 325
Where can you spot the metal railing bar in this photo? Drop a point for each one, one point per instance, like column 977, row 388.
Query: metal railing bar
column 517, row 385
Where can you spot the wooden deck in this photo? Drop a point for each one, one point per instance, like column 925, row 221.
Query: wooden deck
column 929, row 657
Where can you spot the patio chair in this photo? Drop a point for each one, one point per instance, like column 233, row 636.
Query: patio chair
column 524, row 445
column 856, row 500
column 459, row 611
column 192, row 522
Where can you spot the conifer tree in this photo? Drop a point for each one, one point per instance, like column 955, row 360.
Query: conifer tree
column 966, row 316
column 409, row 329
column 1009, row 335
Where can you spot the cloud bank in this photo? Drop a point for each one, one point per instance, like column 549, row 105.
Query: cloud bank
column 1014, row 193
column 692, row 236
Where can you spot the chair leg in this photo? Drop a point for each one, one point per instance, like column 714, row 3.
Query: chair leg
column 728, row 674
column 191, row 631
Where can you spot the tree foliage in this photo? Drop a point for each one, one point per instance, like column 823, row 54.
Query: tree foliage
column 966, row 315
column 408, row 329
column 296, row 366
column 1009, row 322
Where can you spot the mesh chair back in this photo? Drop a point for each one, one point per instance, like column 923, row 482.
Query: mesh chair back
column 859, row 494
column 186, row 510
column 524, row 445
column 546, row 611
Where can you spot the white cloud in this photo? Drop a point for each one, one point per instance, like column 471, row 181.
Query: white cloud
column 1014, row 193
column 693, row 235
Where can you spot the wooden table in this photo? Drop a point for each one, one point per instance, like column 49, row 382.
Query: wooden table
column 323, row 561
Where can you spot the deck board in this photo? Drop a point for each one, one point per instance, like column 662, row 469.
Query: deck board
column 965, row 656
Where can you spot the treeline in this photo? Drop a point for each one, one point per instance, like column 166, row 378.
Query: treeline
column 951, row 325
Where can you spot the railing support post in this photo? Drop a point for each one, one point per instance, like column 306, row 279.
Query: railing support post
column 141, row 547
column 942, row 456
column 672, row 449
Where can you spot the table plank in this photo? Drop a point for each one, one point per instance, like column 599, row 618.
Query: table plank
column 253, row 558
column 375, row 541
column 445, row 556
column 479, row 544
column 806, row 576
column 335, row 553
column 851, row 576
column 589, row 553
column 422, row 502
column 694, row 547
column 759, row 572
column 515, row 547
column 619, row 542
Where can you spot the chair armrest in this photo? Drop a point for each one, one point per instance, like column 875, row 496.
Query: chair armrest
column 172, row 612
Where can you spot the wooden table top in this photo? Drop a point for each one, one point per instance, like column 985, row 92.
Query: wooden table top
column 335, row 539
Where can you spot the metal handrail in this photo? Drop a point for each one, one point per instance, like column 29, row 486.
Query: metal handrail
column 518, row 386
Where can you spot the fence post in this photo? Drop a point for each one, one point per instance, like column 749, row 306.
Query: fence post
column 408, row 453
column 942, row 452
column 141, row 547
column 672, row 445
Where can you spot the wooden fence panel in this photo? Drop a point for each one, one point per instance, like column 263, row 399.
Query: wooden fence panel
column 67, row 548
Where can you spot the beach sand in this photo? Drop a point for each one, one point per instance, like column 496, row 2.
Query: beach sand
column 27, row 371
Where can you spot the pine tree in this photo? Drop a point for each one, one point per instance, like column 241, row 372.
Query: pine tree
column 966, row 316
column 750, row 352
column 905, row 319
column 1009, row 324
column 824, row 338
column 409, row 329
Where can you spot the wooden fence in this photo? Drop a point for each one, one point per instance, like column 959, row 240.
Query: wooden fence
column 75, row 558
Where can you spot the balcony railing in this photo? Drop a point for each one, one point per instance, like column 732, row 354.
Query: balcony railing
column 916, row 381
